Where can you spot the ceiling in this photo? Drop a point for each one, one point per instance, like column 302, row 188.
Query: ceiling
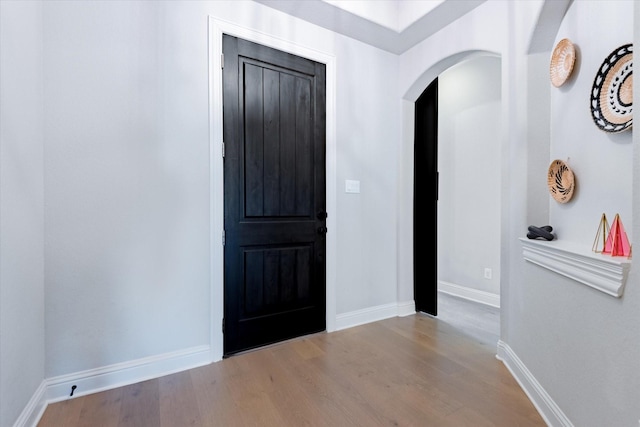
column 391, row 25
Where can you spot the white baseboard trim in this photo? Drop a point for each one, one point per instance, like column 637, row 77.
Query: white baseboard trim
column 108, row 377
column 481, row 297
column 32, row 413
column 548, row 409
column 373, row 314
column 406, row 308
column 121, row 374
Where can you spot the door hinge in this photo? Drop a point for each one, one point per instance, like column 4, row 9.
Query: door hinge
column 223, row 148
column 223, row 325
column 222, row 60
column 223, row 237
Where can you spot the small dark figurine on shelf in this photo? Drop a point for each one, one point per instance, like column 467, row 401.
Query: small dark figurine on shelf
column 544, row 232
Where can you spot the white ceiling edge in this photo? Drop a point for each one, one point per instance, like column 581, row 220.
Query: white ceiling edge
column 347, row 23
column 396, row 15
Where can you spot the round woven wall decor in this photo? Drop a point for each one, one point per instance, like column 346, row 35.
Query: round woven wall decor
column 612, row 92
column 561, row 181
column 562, row 61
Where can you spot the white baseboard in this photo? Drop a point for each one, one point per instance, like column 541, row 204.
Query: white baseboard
column 406, row 308
column 108, row 377
column 32, row 413
column 121, row 374
column 373, row 314
column 548, row 409
column 481, row 297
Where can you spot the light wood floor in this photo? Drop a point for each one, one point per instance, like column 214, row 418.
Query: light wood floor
column 410, row 371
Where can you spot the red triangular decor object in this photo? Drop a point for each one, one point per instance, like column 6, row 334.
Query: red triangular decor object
column 617, row 243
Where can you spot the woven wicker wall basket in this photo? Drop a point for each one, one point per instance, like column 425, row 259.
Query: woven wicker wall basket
column 563, row 59
column 561, row 181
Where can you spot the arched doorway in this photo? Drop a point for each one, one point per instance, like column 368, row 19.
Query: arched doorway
column 456, row 160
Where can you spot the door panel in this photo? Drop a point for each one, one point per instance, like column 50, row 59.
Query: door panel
column 274, row 172
column 276, row 279
column 425, row 210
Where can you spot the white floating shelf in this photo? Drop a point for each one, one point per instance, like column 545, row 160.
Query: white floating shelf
column 602, row 272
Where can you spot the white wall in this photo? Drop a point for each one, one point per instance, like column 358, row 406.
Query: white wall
column 601, row 162
column 21, row 208
column 125, row 128
column 126, row 193
column 469, row 132
column 127, row 174
column 575, row 348
column 368, row 122
column 581, row 344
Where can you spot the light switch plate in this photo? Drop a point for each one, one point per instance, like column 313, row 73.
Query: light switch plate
column 351, row 186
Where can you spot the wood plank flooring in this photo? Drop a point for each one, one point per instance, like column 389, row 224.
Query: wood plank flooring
column 478, row 321
column 411, row 371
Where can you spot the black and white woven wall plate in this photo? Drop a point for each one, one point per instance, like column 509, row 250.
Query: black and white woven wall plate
column 612, row 92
